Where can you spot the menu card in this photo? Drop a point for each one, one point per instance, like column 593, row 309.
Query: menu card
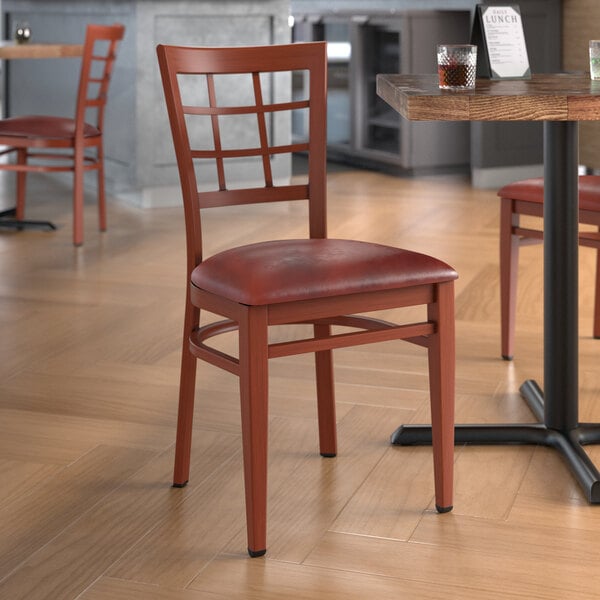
column 501, row 49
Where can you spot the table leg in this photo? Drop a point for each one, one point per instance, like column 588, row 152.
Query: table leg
column 557, row 408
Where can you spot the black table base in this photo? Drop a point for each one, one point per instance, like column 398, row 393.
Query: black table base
column 568, row 443
column 7, row 222
column 557, row 407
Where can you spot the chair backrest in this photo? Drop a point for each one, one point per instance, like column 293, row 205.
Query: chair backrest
column 99, row 54
column 202, row 127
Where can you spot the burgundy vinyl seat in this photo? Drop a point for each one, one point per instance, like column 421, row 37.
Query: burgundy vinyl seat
column 526, row 197
column 317, row 281
column 45, row 143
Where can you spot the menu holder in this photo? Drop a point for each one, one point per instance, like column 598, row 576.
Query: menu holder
column 501, row 48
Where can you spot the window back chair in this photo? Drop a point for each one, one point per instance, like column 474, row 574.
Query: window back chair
column 320, row 281
column 49, row 143
column 526, row 197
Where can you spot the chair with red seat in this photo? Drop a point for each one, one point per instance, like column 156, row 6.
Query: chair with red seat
column 50, row 143
column 526, row 197
column 319, row 281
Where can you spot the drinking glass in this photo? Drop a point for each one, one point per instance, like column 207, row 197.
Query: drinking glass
column 457, row 65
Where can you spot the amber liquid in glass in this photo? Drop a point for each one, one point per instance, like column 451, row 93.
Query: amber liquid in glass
column 454, row 75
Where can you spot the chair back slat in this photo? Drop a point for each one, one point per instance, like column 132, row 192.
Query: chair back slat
column 212, row 97
column 262, row 130
column 254, row 196
column 241, row 152
column 240, row 110
column 198, row 143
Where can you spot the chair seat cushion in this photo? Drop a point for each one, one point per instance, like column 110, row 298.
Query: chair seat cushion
column 35, row 126
column 291, row 270
column 532, row 190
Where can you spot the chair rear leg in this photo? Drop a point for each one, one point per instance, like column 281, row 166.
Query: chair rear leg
column 187, row 388
column 254, row 373
column 597, row 296
column 442, row 383
column 21, row 184
column 509, row 263
column 325, row 396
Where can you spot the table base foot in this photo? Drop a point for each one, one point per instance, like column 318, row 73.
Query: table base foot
column 8, row 223
column 569, row 443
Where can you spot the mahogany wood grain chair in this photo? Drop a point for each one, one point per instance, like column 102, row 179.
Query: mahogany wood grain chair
column 44, row 143
column 526, row 197
column 320, row 281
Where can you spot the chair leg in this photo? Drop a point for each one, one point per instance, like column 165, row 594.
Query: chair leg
column 254, row 373
column 597, row 296
column 78, row 197
column 21, row 184
column 442, row 382
column 325, row 396
column 509, row 263
column 101, row 191
column 187, row 388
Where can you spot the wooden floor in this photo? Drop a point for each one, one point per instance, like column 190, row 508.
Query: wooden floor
column 89, row 359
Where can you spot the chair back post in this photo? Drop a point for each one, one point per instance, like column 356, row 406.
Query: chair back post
column 173, row 60
column 317, row 154
column 212, row 62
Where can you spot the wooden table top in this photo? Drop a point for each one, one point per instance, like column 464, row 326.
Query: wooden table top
column 552, row 97
column 11, row 50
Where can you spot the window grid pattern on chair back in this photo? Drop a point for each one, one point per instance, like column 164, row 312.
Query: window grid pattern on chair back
column 99, row 54
column 222, row 109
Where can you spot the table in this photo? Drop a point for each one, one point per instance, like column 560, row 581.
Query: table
column 10, row 50
column 560, row 101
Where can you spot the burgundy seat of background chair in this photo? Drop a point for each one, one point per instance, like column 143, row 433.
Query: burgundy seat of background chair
column 39, row 141
column 526, row 197
column 318, row 281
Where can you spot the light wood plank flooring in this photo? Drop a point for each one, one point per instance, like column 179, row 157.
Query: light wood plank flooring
column 89, row 363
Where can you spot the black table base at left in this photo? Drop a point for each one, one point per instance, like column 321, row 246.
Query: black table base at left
column 557, row 407
column 8, row 222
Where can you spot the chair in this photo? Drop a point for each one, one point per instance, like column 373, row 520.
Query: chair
column 526, row 197
column 50, row 144
column 319, row 281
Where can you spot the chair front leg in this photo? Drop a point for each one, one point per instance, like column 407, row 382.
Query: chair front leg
column 325, row 396
column 509, row 264
column 78, row 195
column 254, row 374
column 597, row 296
column 21, row 184
column 101, row 190
column 442, row 390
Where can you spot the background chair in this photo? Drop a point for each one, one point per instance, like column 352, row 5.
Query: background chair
column 527, row 198
column 319, row 281
column 49, row 143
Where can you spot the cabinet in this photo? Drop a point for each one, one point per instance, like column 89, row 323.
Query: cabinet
column 362, row 128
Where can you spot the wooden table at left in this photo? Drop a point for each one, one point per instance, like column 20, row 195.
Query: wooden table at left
column 10, row 50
